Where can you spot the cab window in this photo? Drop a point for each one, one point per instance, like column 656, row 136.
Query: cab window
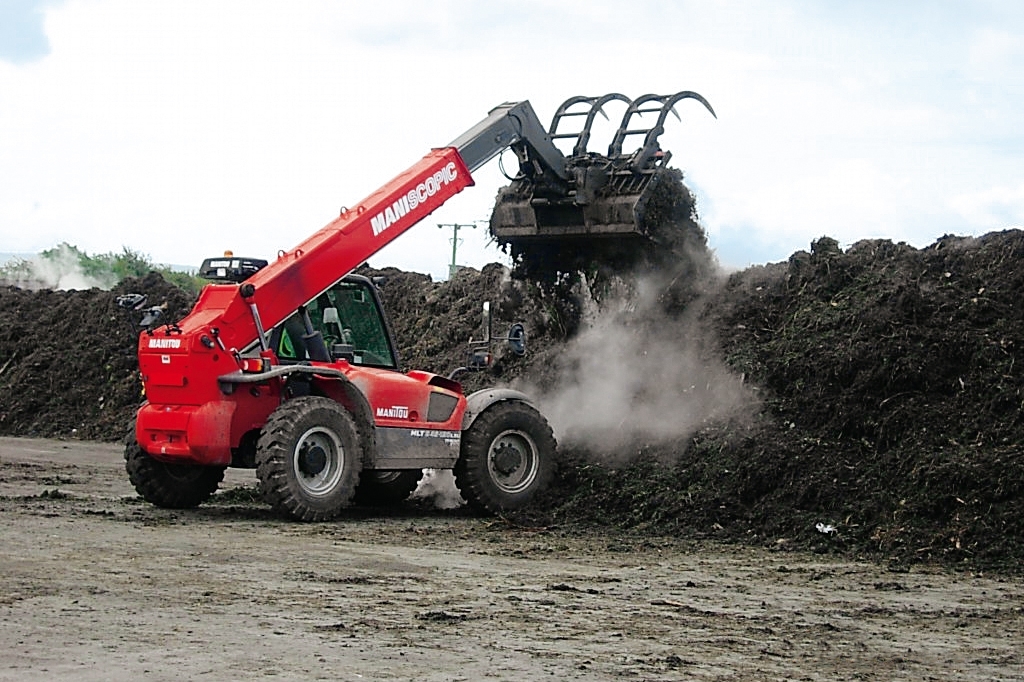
column 344, row 314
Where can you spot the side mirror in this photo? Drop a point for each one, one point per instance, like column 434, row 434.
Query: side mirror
column 131, row 301
column 480, row 355
column 517, row 339
column 133, row 304
column 151, row 316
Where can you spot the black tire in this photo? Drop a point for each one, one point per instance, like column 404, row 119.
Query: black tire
column 171, row 486
column 387, row 487
column 308, row 459
column 507, row 458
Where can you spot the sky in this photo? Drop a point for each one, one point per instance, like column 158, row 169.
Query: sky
column 183, row 129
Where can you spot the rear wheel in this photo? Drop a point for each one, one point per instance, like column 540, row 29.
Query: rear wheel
column 507, row 458
column 172, row 486
column 387, row 487
column 308, row 459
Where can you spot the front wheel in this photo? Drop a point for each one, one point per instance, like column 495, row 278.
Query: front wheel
column 308, row 459
column 507, row 458
column 167, row 485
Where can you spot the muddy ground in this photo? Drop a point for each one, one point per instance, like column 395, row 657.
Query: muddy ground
column 98, row 585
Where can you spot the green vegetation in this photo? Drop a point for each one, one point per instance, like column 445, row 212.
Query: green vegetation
column 67, row 266
column 183, row 280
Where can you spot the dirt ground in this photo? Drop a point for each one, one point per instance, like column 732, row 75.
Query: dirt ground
column 98, row 585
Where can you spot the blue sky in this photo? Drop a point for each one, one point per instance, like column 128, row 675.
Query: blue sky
column 184, row 129
column 22, row 36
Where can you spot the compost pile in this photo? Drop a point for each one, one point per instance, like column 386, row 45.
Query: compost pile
column 68, row 363
column 866, row 400
column 890, row 409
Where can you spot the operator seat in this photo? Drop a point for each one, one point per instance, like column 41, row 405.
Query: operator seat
column 288, row 340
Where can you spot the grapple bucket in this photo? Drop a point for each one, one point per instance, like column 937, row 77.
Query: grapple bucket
column 521, row 213
column 611, row 198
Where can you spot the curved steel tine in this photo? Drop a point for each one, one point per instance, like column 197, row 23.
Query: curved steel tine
column 597, row 107
column 615, row 148
column 564, row 109
column 671, row 100
column 611, row 96
column 651, row 146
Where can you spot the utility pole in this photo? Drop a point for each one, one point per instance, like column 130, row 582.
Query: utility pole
column 453, row 266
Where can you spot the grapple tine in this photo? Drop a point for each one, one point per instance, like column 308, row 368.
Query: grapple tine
column 650, row 145
column 597, row 107
column 563, row 111
column 688, row 94
column 615, row 148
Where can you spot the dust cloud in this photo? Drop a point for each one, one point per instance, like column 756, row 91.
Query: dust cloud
column 437, row 490
column 60, row 271
column 640, row 373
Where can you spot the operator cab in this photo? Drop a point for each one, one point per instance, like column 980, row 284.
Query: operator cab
column 347, row 323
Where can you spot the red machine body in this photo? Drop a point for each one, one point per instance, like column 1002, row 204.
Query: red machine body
column 193, row 415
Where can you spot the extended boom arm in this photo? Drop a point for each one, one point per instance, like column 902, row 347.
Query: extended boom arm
column 299, row 275
column 515, row 125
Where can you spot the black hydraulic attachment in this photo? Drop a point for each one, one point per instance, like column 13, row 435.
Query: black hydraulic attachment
column 598, row 195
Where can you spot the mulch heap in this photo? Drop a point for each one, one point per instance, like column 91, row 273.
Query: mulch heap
column 885, row 419
column 890, row 419
column 68, row 365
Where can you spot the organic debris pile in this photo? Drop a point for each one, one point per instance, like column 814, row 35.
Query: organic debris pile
column 866, row 399
column 68, row 363
column 890, row 419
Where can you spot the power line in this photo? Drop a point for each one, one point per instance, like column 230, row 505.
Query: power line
column 453, row 266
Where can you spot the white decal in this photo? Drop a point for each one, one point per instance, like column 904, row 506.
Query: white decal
column 393, row 412
column 416, row 196
column 432, row 433
column 164, row 343
column 450, row 437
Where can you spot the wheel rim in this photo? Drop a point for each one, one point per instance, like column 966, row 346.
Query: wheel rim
column 512, row 461
column 318, row 461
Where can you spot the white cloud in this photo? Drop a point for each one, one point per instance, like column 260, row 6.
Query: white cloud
column 993, row 207
column 994, row 53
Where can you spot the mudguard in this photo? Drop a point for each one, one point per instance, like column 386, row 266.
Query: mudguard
column 477, row 402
